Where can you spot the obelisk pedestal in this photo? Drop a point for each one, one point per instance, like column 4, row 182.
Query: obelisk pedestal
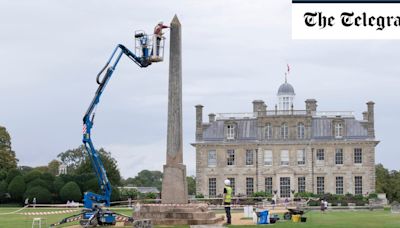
column 174, row 186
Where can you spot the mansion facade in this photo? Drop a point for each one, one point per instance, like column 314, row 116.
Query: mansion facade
column 283, row 151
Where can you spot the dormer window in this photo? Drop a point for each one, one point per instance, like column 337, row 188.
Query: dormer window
column 230, row 131
column 338, row 130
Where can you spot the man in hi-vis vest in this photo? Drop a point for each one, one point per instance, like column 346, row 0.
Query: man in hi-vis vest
column 227, row 200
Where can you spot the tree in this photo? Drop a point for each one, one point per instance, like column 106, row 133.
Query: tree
column 73, row 158
column 7, row 155
column 32, row 175
column 3, row 191
column 78, row 162
column 41, row 194
column 191, row 182
column 16, row 188
column 38, row 182
column 58, row 184
column 11, row 174
column 70, row 191
column 382, row 178
column 146, row 178
column 3, row 175
column 53, row 167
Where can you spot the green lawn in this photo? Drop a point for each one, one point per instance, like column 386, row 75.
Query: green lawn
column 24, row 221
column 344, row 219
column 335, row 219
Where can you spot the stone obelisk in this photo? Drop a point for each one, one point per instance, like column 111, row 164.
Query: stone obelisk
column 174, row 186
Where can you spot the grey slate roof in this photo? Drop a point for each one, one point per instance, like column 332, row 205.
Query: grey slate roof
column 247, row 129
column 322, row 128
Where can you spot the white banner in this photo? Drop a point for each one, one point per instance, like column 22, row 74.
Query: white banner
column 346, row 21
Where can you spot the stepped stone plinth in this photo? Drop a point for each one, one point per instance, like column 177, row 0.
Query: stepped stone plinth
column 177, row 214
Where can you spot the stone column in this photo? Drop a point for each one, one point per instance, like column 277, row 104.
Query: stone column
column 174, row 186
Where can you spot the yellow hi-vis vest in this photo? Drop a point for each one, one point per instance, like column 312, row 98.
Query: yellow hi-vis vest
column 228, row 195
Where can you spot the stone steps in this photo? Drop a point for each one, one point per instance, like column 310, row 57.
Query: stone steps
column 187, row 221
column 178, row 215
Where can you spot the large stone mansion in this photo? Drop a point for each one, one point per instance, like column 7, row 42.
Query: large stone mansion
column 283, row 151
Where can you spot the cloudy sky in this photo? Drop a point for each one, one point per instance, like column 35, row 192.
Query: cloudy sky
column 234, row 51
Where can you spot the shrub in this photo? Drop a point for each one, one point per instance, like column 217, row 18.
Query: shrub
column 37, row 182
column 58, row 184
column 115, row 195
column 373, row 196
column 200, row 196
column 11, row 174
column 344, row 203
column 150, row 195
column 16, row 188
column 3, row 191
column 41, row 194
column 32, row 175
column 70, row 191
column 3, row 175
column 261, row 194
column 313, row 203
column 304, row 194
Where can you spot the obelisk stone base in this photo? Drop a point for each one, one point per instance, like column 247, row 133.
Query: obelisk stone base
column 174, row 185
column 178, row 214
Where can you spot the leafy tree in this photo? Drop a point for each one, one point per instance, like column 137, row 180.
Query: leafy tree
column 58, row 184
column 382, row 178
column 73, row 158
column 32, row 175
column 53, row 167
column 70, row 191
column 7, row 155
column 16, row 188
column 115, row 194
column 41, row 194
column 11, row 174
column 191, row 182
column 78, row 162
column 38, row 182
column 146, row 178
column 3, row 191
column 3, row 175
column 129, row 193
column 92, row 185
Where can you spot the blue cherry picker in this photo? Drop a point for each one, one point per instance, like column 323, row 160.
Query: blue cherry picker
column 147, row 50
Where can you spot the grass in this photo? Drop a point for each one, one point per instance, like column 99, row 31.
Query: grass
column 342, row 219
column 334, row 219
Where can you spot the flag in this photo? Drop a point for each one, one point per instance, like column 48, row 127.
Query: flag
column 288, row 68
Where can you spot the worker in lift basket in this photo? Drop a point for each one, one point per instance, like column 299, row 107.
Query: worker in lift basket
column 227, row 200
column 159, row 34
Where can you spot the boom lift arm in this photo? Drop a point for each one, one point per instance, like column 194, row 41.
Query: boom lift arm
column 90, row 199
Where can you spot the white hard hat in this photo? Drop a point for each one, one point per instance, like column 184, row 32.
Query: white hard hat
column 161, row 22
column 227, row 182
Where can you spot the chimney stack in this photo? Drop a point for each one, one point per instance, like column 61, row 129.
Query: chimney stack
column 199, row 122
column 370, row 116
column 311, row 106
column 211, row 117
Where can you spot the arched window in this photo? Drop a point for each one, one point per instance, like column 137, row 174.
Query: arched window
column 338, row 130
column 284, row 131
column 268, row 131
column 300, row 131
